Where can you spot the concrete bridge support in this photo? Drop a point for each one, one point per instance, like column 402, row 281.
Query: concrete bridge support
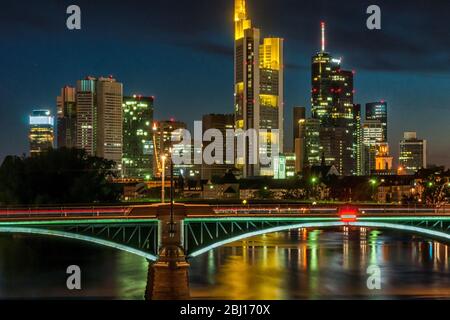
column 169, row 276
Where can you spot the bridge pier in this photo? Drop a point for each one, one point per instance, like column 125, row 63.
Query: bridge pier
column 169, row 275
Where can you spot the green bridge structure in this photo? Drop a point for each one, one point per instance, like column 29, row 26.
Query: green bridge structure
column 170, row 235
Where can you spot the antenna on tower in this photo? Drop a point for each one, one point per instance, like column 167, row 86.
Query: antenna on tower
column 322, row 26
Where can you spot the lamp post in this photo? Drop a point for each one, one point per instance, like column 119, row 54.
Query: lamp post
column 373, row 183
column 172, row 223
column 313, row 181
column 163, row 176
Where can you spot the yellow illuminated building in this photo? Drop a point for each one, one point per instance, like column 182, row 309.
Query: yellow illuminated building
column 258, row 92
column 383, row 161
column 240, row 19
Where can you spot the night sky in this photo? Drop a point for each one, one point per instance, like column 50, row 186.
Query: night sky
column 182, row 53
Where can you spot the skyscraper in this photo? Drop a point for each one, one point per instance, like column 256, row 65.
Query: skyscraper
column 163, row 131
column 137, row 160
column 299, row 115
column 221, row 122
column 258, row 87
column 372, row 137
column 413, row 153
column 332, row 104
column 378, row 111
column 87, row 115
column 299, row 137
column 41, row 133
column 66, row 118
column 110, row 120
column 312, row 142
column 358, row 146
column 99, row 118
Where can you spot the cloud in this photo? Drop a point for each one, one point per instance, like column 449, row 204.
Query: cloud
column 413, row 37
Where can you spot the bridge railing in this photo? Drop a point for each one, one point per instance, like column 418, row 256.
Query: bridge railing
column 63, row 212
column 293, row 209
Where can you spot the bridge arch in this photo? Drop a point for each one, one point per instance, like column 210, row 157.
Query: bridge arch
column 74, row 236
column 369, row 224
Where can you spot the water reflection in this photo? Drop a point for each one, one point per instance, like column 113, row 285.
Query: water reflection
column 299, row 264
column 316, row 264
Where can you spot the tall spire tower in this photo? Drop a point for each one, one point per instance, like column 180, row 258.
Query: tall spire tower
column 240, row 19
column 258, row 91
column 332, row 104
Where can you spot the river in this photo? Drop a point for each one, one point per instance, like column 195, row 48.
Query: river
column 298, row 264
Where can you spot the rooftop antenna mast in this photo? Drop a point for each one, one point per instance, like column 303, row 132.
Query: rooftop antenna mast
column 322, row 26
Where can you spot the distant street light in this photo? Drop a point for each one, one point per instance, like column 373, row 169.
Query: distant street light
column 373, row 183
column 313, row 181
column 163, row 178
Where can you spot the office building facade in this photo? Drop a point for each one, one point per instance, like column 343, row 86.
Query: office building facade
column 332, row 104
column 166, row 134
column 413, row 153
column 259, row 96
column 378, row 111
column 41, row 134
column 66, row 107
column 99, row 118
column 137, row 160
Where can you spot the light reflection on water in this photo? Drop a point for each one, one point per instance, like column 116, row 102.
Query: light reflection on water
column 316, row 264
column 300, row 264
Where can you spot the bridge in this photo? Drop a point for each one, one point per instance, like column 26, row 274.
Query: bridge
column 170, row 236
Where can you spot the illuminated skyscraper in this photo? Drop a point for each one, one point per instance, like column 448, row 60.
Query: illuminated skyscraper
column 258, row 79
column 372, row 137
column 332, row 104
column 99, row 118
column 163, row 131
column 67, row 118
column 110, row 120
column 378, row 111
column 87, row 115
column 41, row 133
column 312, row 142
column 358, row 146
column 372, row 132
column 137, row 160
column 413, row 153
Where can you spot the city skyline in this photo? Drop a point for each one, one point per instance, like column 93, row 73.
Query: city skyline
column 218, row 96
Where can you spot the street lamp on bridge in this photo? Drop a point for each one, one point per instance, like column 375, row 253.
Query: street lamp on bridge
column 163, row 178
